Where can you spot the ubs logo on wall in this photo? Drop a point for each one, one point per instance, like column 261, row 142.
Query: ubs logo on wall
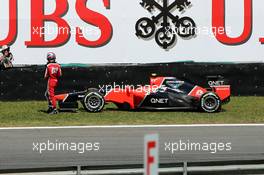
column 164, row 25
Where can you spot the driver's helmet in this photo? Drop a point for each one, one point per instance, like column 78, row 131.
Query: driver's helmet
column 51, row 56
column 5, row 47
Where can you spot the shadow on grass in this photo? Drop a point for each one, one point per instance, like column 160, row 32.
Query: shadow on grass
column 163, row 110
column 112, row 109
column 62, row 111
column 43, row 111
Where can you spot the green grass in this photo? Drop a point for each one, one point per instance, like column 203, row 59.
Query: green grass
column 239, row 110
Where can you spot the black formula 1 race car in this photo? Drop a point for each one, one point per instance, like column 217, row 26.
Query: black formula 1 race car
column 163, row 93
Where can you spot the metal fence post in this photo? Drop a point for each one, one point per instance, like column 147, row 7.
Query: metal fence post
column 78, row 170
column 185, row 171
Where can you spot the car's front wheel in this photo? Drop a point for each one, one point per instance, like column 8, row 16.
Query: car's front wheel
column 93, row 101
column 210, row 102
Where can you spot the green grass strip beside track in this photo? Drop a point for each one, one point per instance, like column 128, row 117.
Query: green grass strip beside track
column 239, row 110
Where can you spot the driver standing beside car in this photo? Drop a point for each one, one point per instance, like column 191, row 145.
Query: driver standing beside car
column 52, row 74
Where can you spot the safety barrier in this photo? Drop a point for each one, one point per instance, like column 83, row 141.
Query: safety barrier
column 246, row 79
column 183, row 169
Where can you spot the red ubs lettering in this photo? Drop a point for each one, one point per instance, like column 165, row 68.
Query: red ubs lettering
column 38, row 19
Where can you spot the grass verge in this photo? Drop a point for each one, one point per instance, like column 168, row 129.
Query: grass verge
column 239, row 110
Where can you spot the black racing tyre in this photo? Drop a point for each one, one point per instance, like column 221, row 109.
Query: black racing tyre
column 93, row 101
column 210, row 102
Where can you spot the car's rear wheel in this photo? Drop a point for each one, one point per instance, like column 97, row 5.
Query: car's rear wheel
column 210, row 102
column 93, row 101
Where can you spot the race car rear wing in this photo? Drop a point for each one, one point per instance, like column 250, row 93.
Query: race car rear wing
column 220, row 86
column 216, row 80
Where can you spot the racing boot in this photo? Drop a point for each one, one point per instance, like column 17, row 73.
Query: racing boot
column 54, row 111
column 50, row 109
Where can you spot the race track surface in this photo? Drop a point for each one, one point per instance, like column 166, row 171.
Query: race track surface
column 124, row 145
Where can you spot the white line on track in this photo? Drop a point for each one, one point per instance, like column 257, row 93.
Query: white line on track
column 134, row 126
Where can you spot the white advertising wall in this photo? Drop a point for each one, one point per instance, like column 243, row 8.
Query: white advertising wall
column 125, row 47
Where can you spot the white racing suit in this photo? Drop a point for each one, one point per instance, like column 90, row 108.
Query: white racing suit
column 6, row 61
